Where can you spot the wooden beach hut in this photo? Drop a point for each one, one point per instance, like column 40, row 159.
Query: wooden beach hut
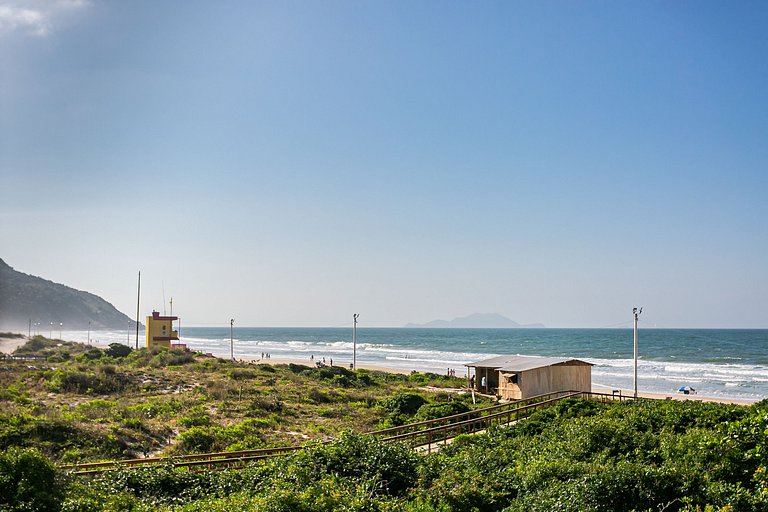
column 518, row 377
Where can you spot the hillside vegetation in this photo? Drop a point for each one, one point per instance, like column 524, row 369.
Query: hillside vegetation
column 25, row 298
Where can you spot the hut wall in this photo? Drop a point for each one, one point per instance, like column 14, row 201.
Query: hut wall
column 555, row 378
column 507, row 389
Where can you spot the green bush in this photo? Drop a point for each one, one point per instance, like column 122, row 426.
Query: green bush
column 118, row 350
column 102, row 380
column 28, row 482
column 439, row 410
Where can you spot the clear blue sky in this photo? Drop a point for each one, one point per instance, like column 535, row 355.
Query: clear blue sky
column 292, row 163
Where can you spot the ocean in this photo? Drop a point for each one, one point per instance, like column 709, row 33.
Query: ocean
column 718, row 363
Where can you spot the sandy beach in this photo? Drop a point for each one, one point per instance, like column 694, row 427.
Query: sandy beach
column 8, row 345
column 597, row 388
column 312, row 363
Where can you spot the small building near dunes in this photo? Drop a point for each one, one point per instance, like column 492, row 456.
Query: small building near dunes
column 160, row 331
column 518, row 377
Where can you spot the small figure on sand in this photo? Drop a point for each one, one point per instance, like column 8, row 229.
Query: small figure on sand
column 331, row 361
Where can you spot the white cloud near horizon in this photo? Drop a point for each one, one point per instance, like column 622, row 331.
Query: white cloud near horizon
column 35, row 18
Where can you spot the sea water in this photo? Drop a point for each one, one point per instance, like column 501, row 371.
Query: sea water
column 719, row 363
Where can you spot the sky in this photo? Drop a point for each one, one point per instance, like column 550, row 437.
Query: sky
column 291, row 163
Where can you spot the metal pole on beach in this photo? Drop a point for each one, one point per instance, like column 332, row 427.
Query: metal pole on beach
column 138, row 300
column 354, row 341
column 636, row 313
column 231, row 339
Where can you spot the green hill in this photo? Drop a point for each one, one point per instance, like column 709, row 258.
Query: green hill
column 24, row 297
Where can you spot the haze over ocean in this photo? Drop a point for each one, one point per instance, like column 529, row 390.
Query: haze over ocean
column 718, row 363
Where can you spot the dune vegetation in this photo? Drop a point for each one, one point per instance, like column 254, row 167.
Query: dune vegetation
column 578, row 455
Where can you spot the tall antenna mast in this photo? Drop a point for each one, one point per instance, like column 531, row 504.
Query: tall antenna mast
column 354, row 341
column 636, row 313
column 138, row 300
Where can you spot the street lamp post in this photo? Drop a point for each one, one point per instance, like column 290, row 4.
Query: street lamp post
column 61, row 325
column 231, row 339
column 51, row 335
column 636, row 313
column 354, row 341
column 89, row 332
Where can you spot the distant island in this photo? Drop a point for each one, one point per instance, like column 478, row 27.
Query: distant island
column 25, row 298
column 478, row 320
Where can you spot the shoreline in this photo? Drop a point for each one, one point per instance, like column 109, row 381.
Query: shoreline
column 312, row 364
column 8, row 345
column 401, row 371
column 675, row 396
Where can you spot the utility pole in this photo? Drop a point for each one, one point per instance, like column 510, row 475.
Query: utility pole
column 29, row 334
column 354, row 341
column 89, row 332
column 232, row 339
column 636, row 313
column 138, row 301
column 61, row 326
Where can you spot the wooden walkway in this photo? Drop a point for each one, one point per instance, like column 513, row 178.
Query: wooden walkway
column 424, row 436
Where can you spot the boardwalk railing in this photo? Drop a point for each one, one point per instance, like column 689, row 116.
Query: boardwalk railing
column 209, row 460
column 423, row 435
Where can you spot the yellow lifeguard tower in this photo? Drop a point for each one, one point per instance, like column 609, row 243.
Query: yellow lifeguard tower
column 160, row 331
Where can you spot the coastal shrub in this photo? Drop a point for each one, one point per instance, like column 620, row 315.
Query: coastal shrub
column 100, row 381
column 246, row 435
column 393, row 467
column 90, row 355
column 118, row 350
column 242, row 374
column 97, row 409
column 431, row 411
column 28, row 482
column 172, row 357
column 401, row 407
column 261, row 404
column 35, row 344
column 196, row 417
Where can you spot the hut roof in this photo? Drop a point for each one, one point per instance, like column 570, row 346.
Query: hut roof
column 522, row 363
